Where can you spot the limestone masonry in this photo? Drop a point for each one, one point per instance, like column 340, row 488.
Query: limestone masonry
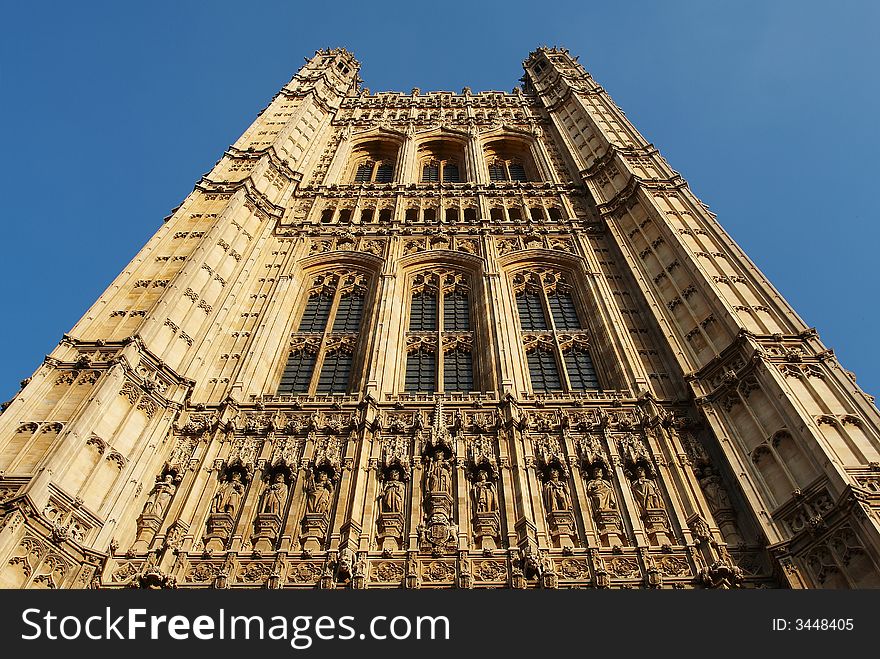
column 436, row 340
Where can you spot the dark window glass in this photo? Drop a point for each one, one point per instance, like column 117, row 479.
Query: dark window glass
column 314, row 318
column 423, row 312
column 458, row 372
column 562, row 307
column 384, row 172
column 451, row 214
column 385, row 215
column 364, row 173
column 514, row 214
column 536, row 213
column 430, row 173
column 335, row 373
column 517, row 172
column 327, row 215
column 297, row 373
column 349, row 312
column 543, row 371
column 367, row 215
column 581, row 372
column 412, row 215
column 555, row 214
column 430, row 214
column 421, row 367
column 455, row 312
column 450, row 173
column 497, row 172
column 345, row 215
column 496, row 214
column 531, row 314
column 470, row 214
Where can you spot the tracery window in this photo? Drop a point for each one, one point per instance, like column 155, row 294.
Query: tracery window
column 441, row 160
column 323, row 348
column 433, row 171
column 439, row 341
column 557, row 345
column 510, row 159
column 507, row 170
column 374, row 161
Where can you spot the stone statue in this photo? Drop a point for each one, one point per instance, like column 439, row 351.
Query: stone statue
column 318, row 494
column 716, row 495
column 274, row 496
column 645, row 490
column 556, row 493
column 160, row 496
column 439, row 476
column 600, row 490
column 392, row 493
column 484, row 493
column 228, row 498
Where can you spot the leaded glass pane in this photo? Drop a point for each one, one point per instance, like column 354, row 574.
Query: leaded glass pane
column 543, row 371
column 314, row 318
column 531, row 313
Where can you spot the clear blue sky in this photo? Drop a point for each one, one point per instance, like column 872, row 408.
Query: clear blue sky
column 111, row 112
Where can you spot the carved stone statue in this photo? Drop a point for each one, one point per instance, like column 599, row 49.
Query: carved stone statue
column 556, row 496
column 439, row 476
column 228, row 498
column 160, row 497
column 716, row 495
column 392, row 493
column 600, row 490
column 645, row 490
column 274, row 496
column 484, row 493
column 318, row 494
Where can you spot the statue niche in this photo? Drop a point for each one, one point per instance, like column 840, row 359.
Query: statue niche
column 485, row 499
column 647, row 496
column 600, row 493
column 557, row 502
column 391, row 505
column 270, row 513
column 155, row 508
column 319, row 498
column 225, row 506
column 437, row 532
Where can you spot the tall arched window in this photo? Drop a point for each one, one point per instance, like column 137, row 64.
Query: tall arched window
column 323, row 348
column 439, row 339
column 374, row 161
column 510, row 160
column 441, row 161
column 555, row 340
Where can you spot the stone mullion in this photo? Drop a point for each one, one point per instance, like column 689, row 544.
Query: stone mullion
column 462, row 512
column 533, row 493
column 509, row 341
column 628, row 509
column 580, row 502
column 507, row 490
column 673, row 483
column 345, row 488
column 382, row 363
column 411, row 542
column 366, row 494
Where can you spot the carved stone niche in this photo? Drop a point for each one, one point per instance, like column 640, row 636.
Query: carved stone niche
column 225, row 507
column 437, row 533
column 603, row 503
column 155, row 508
column 649, row 499
column 392, row 498
column 557, row 502
column 272, row 506
column 319, row 498
column 487, row 524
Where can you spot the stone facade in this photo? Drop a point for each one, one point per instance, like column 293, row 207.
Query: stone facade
column 439, row 340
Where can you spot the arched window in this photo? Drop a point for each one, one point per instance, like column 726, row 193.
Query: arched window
column 440, row 161
column 439, row 339
column 556, row 343
column 374, row 161
column 510, row 160
column 323, row 348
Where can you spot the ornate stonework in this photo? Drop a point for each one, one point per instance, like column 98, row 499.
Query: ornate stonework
column 439, row 340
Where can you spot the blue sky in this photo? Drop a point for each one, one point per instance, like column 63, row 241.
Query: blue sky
column 112, row 111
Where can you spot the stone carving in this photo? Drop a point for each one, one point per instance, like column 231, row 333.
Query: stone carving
column 484, row 493
column 556, row 496
column 391, row 503
column 228, row 498
column 160, row 496
column 274, row 496
column 319, row 495
column 645, row 490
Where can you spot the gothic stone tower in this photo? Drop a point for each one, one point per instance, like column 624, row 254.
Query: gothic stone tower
column 440, row 340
